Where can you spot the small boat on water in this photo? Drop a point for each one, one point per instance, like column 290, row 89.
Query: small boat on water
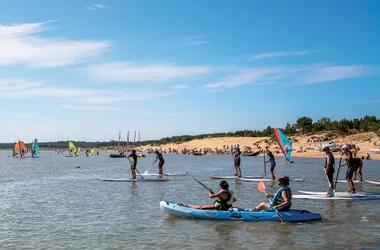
column 251, row 154
column 117, row 155
column 237, row 214
column 196, row 153
column 375, row 150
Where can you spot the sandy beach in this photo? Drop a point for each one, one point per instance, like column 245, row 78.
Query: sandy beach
column 301, row 146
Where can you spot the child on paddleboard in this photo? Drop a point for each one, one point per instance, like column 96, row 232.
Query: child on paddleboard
column 272, row 164
column 161, row 161
column 133, row 163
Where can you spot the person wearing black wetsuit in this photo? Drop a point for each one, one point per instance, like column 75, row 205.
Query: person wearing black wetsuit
column 133, row 163
column 161, row 161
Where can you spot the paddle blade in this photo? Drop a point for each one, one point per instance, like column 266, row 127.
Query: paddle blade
column 261, row 187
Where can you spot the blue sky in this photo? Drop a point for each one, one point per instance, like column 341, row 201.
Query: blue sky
column 83, row 70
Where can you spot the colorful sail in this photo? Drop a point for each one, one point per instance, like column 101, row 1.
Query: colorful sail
column 72, row 148
column 16, row 149
column 35, row 149
column 91, row 152
column 284, row 143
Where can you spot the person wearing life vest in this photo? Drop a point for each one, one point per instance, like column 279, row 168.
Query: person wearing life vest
column 224, row 198
column 282, row 199
column 350, row 168
column 329, row 170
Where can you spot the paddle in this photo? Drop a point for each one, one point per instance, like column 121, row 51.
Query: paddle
column 136, row 169
column 265, row 165
column 203, row 185
column 261, row 187
column 337, row 174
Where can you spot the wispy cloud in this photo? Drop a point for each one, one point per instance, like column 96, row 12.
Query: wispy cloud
column 22, row 89
column 193, row 41
column 144, row 112
column 46, row 119
column 308, row 74
column 126, row 72
column 23, row 44
column 281, row 53
column 334, row 73
column 180, row 86
column 94, row 108
column 96, row 6
column 25, row 115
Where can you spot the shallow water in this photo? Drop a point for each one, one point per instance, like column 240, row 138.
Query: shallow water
column 50, row 203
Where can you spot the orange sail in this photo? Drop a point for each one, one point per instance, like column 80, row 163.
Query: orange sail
column 23, row 148
column 16, row 149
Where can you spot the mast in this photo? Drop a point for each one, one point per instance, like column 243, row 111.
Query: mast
column 139, row 140
column 128, row 139
column 118, row 143
column 134, row 140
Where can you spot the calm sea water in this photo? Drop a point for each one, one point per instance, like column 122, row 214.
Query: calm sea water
column 50, row 203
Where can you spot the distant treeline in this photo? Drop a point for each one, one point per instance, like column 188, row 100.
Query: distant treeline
column 303, row 125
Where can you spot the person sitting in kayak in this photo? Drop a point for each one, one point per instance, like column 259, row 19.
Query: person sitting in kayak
column 161, row 161
column 133, row 163
column 225, row 198
column 282, row 199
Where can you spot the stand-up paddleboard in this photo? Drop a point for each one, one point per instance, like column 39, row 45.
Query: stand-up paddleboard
column 355, row 181
column 373, row 182
column 262, row 179
column 165, row 174
column 133, row 180
column 235, row 177
column 338, row 196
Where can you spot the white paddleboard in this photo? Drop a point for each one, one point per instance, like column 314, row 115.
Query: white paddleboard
column 132, row 180
column 337, row 197
column 262, row 179
column 373, row 182
column 165, row 174
column 234, row 177
column 355, row 181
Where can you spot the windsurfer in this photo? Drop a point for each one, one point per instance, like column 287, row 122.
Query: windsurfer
column 329, row 170
column 161, row 161
column 282, row 199
column 237, row 161
column 133, row 163
column 272, row 164
column 225, row 198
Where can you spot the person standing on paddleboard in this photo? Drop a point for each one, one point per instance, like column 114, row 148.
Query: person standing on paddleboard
column 237, row 161
column 133, row 163
column 272, row 164
column 225, row 198
column 350, row 168
column 161, row 162
column 329, row 170
column 282, row 199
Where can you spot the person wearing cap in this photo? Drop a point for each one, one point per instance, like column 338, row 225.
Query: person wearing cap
column 237, row 162
column 350, row 168
column 133, row 163
column 224, row 198
column 329, row 170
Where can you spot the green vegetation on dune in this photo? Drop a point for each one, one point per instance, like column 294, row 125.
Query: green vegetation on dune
column 303, row 125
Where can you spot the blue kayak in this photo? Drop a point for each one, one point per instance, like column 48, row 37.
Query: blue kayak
column 240, row 214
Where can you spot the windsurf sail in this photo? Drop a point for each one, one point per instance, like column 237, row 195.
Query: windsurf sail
column 77, row 152
column 91, row 152
column 72, row 148
column 16, row 149
column 23, row 149
column 35, row 149
column 284, row 143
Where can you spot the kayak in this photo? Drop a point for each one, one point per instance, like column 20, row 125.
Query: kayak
column 133, row 180
column 165, row 174
column 373, row 182
column 238, row 214
column 234, row 177
column 338, row 196
column 250, row 154
column 262, row 179
column 117, row 156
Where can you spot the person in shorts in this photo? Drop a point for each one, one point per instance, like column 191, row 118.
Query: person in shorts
column 350, row 168
column 272, row 164
column 329, row 170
